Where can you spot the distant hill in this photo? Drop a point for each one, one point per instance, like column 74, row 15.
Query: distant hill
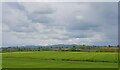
column 55, row 45
column 64, row 45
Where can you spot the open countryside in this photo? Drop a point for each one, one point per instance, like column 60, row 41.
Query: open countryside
column 59, row 35
column 60, row 58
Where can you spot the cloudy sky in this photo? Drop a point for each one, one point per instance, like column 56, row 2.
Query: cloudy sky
column 37, row 23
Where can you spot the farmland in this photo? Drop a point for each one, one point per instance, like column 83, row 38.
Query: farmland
column 60, row 59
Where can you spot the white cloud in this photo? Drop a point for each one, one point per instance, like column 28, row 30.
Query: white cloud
column 56, row 23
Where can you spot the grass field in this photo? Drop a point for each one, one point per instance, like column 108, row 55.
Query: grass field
column 55, row 59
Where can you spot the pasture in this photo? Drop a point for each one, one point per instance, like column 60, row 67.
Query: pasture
column 60, row 59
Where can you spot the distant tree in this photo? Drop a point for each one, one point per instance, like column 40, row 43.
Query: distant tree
column 19, row 49
column 109, row 45
column 39, row 48
column 118, row 46
column 59, row 48
column 94, row 46
column 74, row 46
column 89, row 48
column 83, row 45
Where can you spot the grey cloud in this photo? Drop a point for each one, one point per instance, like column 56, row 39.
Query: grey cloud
column 14, row 5
column 58, row 22
column 109, row 13
column 83, row 26
column 80, row 35
column 14, row 16
column 39, row 18
column 42, row 11
column 23, row 29
column 41, row 15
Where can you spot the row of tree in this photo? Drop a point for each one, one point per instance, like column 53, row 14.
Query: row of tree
column 82, row 48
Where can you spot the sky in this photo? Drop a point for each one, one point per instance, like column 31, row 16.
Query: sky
column 37, row 23
column 0, row 24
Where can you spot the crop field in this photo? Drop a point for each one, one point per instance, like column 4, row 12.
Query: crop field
column 60, row 59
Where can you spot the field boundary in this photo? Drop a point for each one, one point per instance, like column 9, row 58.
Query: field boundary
column 60, row 69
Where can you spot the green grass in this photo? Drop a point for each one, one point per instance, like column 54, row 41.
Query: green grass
column 52, row 59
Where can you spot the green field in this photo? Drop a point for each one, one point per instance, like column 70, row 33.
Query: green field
column 57, row 59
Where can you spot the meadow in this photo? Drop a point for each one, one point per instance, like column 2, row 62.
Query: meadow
column 60, row 59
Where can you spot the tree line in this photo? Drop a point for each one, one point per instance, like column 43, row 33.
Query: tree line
column 82, row 48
